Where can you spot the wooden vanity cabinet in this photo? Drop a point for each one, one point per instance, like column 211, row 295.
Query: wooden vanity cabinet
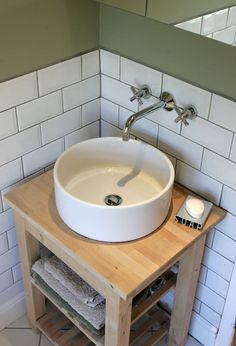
column 118, row 271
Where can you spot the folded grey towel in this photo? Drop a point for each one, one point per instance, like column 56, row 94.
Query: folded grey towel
column 94, row 315
column 73, row 282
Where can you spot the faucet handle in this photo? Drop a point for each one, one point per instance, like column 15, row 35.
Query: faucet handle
column 136, row 95
column 179, row 118
column 143, row 92
column 189, row 112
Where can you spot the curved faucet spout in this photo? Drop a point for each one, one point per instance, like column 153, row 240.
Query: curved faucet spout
column 166, row 102
column 136, row 116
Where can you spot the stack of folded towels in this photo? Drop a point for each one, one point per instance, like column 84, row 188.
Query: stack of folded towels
column 87, row 302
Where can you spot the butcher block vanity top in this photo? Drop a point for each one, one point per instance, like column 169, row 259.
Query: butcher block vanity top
column 126, row 267
column 118, row 271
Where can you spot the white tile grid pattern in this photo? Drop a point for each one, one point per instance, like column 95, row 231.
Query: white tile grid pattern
column 205, row 163
column 34, row 131
column 219, row 25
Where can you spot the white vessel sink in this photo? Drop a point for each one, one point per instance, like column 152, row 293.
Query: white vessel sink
column 138, row 177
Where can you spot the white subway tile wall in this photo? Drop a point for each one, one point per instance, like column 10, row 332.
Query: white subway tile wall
column 203, row 274
column 217, row 283
column 8, row 123
column 216, row 167
column 183, row 91
column 233, row 150
column 11, row 237
column 228, row 226
column 82, row 92
column 179, row 147
column 90, row 64
column 86, row 132
column 117, row 92
column 210, row 298
column 192, row 25
column 18, row 90
column 214, row 21
column 204, row 156
column 197, row 305
column 11, row 291
column 227, row 35
column 210, row 315
column 42, row 157
column 59, row 76
column 109, row 112
column 160, row 118
column 232, row 16
column 128, row 75
column 35, row 128
column 198, row 182
column 110, row 64
column 60, row 126
column 10, row 173
column 219, row 25
column 16, row 271
column 90, row 112
column 39, row 110
column 209, row 136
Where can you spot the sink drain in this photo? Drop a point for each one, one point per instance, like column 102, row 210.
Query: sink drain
column 113, row 200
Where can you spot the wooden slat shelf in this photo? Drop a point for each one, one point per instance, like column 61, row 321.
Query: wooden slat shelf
column 96, row 339
column 54, row 323
column 148, row 303
column 152, row 327
column 60, row 330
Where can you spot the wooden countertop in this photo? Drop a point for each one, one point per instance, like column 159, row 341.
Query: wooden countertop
column 127, row 267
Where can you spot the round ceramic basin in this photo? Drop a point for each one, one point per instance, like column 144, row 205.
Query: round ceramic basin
column 112, row 190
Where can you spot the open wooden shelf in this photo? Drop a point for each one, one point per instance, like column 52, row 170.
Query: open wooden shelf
column 60, row 330
column 149, row 322
column 148, row 303
column 150, row 328
column 95, row 338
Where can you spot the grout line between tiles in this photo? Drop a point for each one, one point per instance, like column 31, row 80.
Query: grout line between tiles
column 146, row 8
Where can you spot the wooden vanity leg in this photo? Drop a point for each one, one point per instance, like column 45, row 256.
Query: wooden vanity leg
column 189, row 267
column 118, row 320
column 29, row 252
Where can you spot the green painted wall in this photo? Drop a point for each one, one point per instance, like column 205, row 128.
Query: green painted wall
column 135, row 6
column 206, row 63
column 175, row 11
column 37, row 33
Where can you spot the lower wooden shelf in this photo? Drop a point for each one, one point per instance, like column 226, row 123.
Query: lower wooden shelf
column 149, row 322
column 60, row 330
column 95, row 338
column 150, row 328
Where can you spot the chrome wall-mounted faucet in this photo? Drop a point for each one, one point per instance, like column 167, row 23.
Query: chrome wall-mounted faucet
column 166, row 101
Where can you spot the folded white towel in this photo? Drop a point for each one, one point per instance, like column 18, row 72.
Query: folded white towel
column 94, row 315
column 73, row 282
